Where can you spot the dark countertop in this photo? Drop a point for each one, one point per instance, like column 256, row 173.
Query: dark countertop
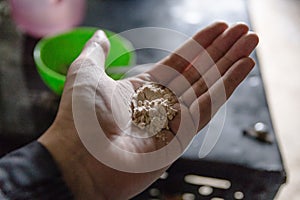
column 28, row 107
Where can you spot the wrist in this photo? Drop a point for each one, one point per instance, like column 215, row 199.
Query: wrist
column 71, row 158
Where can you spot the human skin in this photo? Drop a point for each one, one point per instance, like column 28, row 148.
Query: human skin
column 228, row 47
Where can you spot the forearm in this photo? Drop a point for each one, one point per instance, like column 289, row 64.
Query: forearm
column 70, row 156
column 88, row 178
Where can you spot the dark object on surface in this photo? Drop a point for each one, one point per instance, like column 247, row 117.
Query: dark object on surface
column 259, row 132
column 244, row 167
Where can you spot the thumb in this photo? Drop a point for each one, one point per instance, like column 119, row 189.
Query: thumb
column 96, row 49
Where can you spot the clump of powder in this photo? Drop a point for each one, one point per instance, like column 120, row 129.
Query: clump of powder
column 153, row 107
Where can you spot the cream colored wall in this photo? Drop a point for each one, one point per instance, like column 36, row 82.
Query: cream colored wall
column 278, row 25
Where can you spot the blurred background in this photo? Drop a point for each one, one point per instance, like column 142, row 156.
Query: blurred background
column 27, row 106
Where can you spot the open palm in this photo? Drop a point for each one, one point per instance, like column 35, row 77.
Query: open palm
column 203, row 74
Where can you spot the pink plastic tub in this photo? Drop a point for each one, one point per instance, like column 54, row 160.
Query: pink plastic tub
column 47, row 17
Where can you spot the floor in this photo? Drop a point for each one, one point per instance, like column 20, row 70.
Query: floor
column 278, row 24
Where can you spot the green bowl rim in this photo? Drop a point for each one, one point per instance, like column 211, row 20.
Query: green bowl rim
column 42, row 66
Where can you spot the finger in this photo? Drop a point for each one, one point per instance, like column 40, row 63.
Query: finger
column 226, row 40
column 210, row 102
column 207, row 58
column 183, row 56
column 241, row 49
column 96, row 49
column 89, row 65
column 244, row 46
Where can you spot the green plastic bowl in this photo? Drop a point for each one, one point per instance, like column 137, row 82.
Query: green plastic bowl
column 53, row 55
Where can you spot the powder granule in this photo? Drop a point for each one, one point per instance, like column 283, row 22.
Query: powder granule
column 153, row 107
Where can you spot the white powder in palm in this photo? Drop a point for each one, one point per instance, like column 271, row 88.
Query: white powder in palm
column 153, row 107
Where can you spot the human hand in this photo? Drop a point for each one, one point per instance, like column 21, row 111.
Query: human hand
column 201, row 87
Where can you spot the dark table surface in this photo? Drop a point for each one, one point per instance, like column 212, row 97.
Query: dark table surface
column 27, row 107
